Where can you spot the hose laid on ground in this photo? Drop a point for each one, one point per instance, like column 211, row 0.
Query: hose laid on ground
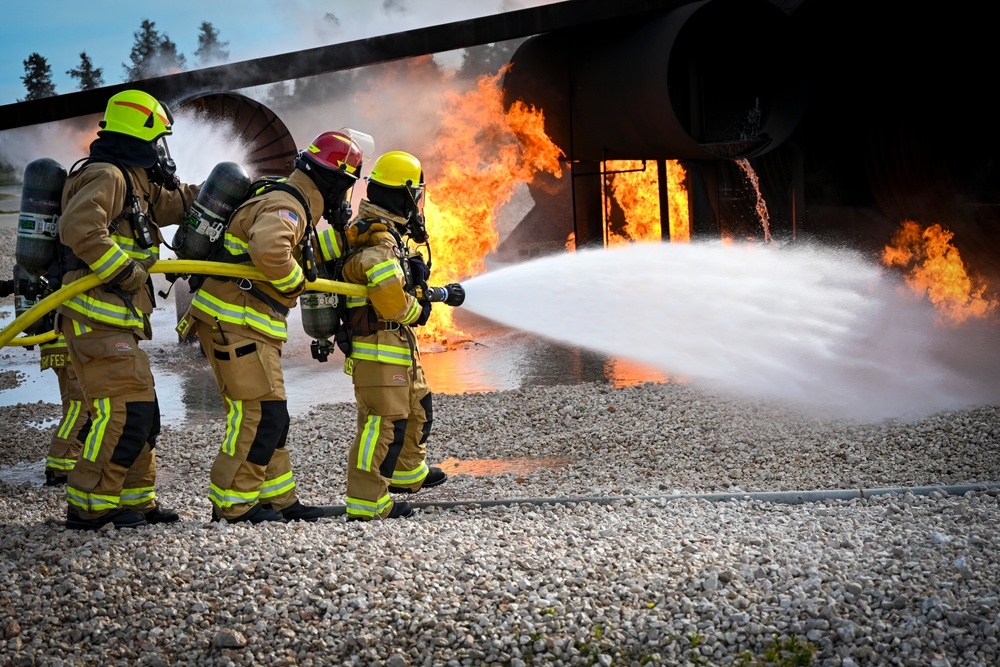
column 777, row 497
column 176, row 266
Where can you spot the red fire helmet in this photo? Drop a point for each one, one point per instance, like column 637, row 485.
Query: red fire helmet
column 336, row 151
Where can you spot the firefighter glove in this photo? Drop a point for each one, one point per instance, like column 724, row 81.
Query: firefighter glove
column 419, row 270
column 425, row 313
column 134, row 276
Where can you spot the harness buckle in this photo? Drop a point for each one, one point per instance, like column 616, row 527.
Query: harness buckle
column 390, row 326
column 244, row 284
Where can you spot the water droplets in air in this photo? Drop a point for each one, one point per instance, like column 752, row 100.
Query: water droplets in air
column 815, row 327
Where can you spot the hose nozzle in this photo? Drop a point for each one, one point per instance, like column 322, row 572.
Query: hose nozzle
column 451, row 294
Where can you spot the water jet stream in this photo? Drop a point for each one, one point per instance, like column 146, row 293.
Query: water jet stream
column 818, row 328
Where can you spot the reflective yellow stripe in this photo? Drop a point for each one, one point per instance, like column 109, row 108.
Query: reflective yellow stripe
column 132, row 248
column 103, row 311
column 90, row 502
column 275, row 487
column 235, row 246
column 289, row 281
column 137, row 496
column 66, row 425
column 407, row 477
column 229, row 497
column 383, row 271
column 234, row 419
column 385, row 354
column 63, row 465
column 101, row 416
column 413, row 315
column 109, row 262
column 367, row 508
column 369, row 439
column 242, row 316
column 329, row 245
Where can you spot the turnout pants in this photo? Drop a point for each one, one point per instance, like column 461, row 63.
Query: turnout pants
column 117, row 465
column 67, row 439
column 252, row 465
column 394, row 419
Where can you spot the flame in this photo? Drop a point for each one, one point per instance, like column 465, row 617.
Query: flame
column 935, row 268
column 482, row 153
column 571, row 242
column 636, row 190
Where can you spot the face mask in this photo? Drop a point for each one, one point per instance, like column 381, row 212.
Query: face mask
column 164, row 170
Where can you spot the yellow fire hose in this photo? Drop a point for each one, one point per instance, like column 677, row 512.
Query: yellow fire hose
column 177, row 266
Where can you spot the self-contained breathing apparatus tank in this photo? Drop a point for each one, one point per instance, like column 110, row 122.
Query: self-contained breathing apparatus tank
column 208, row 216
column 320, row 320
column 36, row 252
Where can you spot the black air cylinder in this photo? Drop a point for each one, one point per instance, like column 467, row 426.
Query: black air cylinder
column 41, row 204
column 206, row 220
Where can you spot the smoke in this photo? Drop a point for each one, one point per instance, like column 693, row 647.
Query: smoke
column 196, row 146
column 399, row 104
column 63, row 141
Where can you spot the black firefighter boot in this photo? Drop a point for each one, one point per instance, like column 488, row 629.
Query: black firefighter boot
column 54, row 479
column 119, row 517
column 435, row 477
column 159, row 514
column 258, row 513
column 299, row 512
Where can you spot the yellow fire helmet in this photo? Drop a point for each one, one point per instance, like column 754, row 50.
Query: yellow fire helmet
column 397, row 169
column 137, row 114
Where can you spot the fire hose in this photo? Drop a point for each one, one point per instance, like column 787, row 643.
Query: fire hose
column 174, row 266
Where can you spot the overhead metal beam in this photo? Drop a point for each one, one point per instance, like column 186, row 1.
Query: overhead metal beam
column 336, row 57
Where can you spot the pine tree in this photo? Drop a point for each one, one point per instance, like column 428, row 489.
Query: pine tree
column 152, row 54
column 37, row 78
column 88, row 76
column 210, row 49
column 167, row 58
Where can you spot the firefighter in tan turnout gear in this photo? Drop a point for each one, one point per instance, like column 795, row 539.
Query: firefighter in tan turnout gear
column 113, row 204
column 242, row 325
column 394, row 403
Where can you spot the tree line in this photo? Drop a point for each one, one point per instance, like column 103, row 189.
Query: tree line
column 152, row 54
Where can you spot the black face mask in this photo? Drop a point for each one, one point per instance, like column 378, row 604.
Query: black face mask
column 164, row 169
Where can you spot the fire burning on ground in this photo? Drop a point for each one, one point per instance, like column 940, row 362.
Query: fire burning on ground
column 482, row 153
column 934, row 267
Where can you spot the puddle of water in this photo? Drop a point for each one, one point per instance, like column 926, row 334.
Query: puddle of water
column 32, row 472
column 484, row 467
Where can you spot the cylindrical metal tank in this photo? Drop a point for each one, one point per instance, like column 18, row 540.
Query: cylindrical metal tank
column 707, row 80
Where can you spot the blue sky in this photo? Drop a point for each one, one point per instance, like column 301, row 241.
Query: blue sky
column 60, row 29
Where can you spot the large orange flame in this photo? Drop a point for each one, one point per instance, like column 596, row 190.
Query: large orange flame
column 935, row 268
column 635, row 187
column 482, row 153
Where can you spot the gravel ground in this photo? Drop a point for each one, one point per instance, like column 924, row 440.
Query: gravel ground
column 897, row 579
column 893, row 579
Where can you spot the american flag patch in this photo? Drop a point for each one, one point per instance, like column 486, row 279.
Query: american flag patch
column 288, row 215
